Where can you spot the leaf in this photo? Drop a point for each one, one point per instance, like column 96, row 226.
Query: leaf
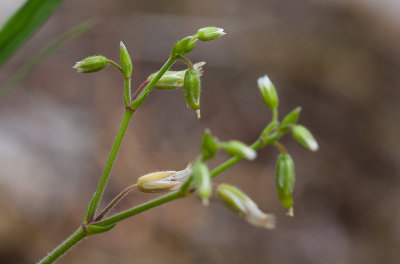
column 23, row 24
column 49, row 49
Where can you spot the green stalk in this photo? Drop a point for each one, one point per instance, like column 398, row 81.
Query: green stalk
column 127, row 91
column 141, row 208
column 143, row 94
column 64, row 247
column 94, row 203
column 232, row 161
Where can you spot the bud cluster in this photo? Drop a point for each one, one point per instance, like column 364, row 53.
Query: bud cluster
column 285, row 175
column 198, row 177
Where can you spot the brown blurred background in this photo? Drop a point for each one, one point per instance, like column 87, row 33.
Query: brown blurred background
column 339, row 60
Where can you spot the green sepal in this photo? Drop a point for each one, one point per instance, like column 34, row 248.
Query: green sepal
column 285, row 179
column 126, row 62
column 209, row 145
column 268, row 92
column 202, row 181
column 232, row 197
column 210, row 33
column 304, row 137
column 95, row 229
column 183, row 46
column 91, row 64
column 289, row 120
column 237, row 148
column 191, row 88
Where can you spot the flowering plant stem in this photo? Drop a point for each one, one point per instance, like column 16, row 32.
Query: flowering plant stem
column 64, row 246
column 94, row 203
column 173, row 196
column 80, row 233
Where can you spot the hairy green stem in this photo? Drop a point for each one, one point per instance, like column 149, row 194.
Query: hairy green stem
column 77, row 236
column 127, row 91
column 141, row 208
column 94, row 204
column 116, row 65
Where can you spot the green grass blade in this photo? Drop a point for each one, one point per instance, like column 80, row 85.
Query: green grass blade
column 49, row 49
column 23, row 24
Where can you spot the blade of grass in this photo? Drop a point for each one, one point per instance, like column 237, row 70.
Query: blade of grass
column 49, row 49
column 23, row 24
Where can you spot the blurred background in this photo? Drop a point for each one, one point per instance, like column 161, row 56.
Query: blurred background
column 339, row 60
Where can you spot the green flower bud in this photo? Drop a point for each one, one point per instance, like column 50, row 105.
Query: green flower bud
column 91, row 64
column 191, row 88
column 304, row 137
column 237, row 148
column 268, row 92
column 285, row 180
column 174, row 79
column 202, row 181
column 210, row 33
column 209, row 145
column 242, row 205
column 290, row 119
column 183, row 46
column 126, row 62
column 163, row 181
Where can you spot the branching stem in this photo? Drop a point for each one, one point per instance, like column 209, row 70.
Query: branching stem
column 115, row 201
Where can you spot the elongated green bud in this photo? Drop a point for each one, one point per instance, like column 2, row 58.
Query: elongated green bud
column 237, row 148
column 285, row 181
column 242, row 205
column 191, row 87
column 290, row 119
column 91, row 64
column 209, row 145
column 183, row 46
column 174, row 79
column 210, row 33
column 202, row 181
column 163, row 181
column 304, row 137
column 126, row 62
column 268, row 92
